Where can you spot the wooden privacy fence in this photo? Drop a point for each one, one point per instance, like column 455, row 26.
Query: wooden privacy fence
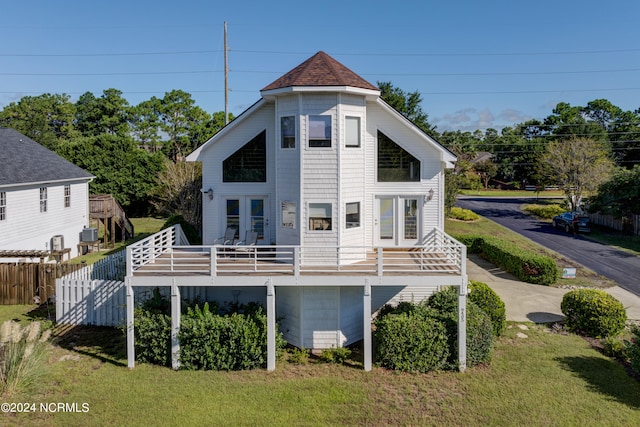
column 30, row 283
column 628, row 224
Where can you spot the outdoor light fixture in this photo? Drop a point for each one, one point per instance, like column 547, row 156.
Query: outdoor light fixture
column 208, row 192
column 428, row 196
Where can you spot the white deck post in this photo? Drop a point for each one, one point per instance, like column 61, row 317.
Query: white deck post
column 462, row 325
column 131, row 355
column 367, row 325
column 271, row 326
column 175, row 326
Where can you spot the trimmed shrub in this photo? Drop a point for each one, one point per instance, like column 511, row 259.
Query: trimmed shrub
column 411, row 342
column 525, row 265
column 489, row 301
column 593, row 313
column 544, row 211
column 479, row 327
column 463, row 214
column 208, row 340
column 152, row 333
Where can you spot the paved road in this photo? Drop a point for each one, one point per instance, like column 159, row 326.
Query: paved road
column 619, row 266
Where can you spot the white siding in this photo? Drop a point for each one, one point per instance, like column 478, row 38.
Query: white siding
column 26, row 228
column 321, row 310
column 381, row 295
column 351, row 317
column 288, row 308
column 213, row 211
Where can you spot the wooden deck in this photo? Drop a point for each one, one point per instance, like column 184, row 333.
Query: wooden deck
column 166, row 258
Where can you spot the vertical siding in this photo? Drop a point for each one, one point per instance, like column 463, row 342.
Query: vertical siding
column 320, row 308
column 351, row 317
column 19, row 230
column 288, row 309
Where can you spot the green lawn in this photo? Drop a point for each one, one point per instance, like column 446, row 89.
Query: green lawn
column 546, row 379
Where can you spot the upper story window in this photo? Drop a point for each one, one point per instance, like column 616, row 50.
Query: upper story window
column 249, row 163
column 67, row 196
column 319, row 131
column 3, row 205
column 352, row 131
column 43, row 199
column 394, row 163
column 288, row 132
column 353, row 215
column 320, row 216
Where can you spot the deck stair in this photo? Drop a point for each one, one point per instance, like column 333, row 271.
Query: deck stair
column 109, row 213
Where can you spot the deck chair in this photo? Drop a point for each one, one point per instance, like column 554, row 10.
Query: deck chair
column 228, row 238
column 247, row 245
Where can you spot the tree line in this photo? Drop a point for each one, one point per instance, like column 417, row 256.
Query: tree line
column 136, row 151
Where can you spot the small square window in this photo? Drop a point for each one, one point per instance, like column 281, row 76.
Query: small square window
column 352, row 131
column 319, row 131
column 353, row 215
column 288, row 132
column 320, row 216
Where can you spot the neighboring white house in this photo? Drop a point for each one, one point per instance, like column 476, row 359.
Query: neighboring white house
column 347, row 199
column 43, row 199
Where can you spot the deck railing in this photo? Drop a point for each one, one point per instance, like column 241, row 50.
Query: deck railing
column 166, row 252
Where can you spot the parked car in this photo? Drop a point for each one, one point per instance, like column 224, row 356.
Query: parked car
column 572, row 222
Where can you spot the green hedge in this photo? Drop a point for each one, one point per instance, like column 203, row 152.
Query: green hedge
column 525, row 265
column 208, row 340
column 411, row 342
column 489, row 301
column 593, row 312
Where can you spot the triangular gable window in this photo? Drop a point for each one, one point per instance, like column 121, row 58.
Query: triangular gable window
column 394, row 163
column 249, row 163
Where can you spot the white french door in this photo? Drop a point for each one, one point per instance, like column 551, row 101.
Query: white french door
column 249, row 213
column 397, row 220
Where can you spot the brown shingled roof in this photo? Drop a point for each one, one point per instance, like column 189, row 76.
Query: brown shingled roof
column 320, row 70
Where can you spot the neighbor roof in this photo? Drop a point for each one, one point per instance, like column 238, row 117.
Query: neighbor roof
column 320, row 70
column 25, row 161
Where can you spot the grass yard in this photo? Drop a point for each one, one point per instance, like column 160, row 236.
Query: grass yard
column 547, row 378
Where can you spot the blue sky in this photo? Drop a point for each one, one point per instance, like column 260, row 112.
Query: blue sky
column 476, row 64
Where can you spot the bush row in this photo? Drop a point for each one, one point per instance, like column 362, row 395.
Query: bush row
column 423, row 337
column 525, row 265
column 208, row 340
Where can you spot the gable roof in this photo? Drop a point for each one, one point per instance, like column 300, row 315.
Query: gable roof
column 24, row 161
column 320, row 70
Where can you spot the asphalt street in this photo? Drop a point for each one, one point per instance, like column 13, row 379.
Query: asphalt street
column 619, row 266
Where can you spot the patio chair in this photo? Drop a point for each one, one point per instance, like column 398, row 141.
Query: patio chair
column 247, row 245
column 228, row 238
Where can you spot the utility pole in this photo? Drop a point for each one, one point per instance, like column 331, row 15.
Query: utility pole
column 226, row 77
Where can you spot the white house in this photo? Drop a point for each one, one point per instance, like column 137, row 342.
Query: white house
column 43, row 200
column 347, row 199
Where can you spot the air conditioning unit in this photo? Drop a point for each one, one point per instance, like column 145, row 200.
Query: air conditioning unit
column 89, row 235
column 57, row 242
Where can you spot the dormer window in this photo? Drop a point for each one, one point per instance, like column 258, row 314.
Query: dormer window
column 320, row 131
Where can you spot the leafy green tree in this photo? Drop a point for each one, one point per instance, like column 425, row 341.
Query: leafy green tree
column 620, row 195
column 146, row 123
column 47, row 119
column 407, row 104
column 578, row 166
column 106, row 114
column 121, row 168
column 486, row 170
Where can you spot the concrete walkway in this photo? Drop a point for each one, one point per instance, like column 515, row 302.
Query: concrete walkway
column 526, row 302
